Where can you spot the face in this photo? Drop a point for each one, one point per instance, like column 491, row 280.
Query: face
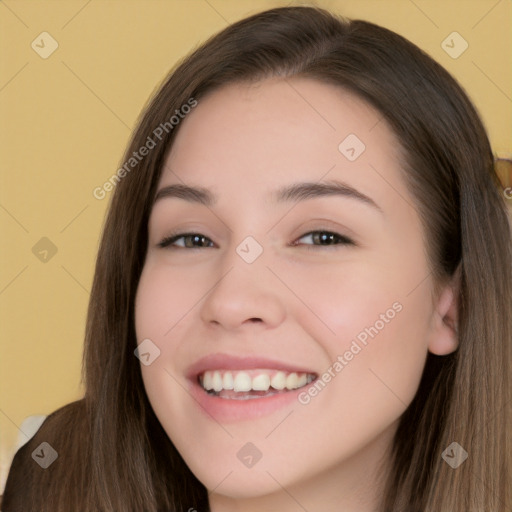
column 306, row 309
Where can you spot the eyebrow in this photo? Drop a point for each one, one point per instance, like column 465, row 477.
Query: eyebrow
column 294, row 192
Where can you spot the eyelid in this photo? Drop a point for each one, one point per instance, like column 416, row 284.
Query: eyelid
column 346, row 240
column 173, row 237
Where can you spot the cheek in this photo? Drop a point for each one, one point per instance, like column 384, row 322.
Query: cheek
column 374, row 333
column 341, row 301
column 368, row 385
column 164, row 297
column 383, row 353
column 163, row 304
column 163, row 300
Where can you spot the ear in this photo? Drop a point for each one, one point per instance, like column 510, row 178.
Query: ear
column 444, row 337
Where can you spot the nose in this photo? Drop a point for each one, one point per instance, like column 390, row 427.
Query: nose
column 242, row 295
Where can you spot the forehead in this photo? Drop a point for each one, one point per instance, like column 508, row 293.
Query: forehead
column 258, row 136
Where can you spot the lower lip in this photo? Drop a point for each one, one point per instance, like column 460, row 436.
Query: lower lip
column 226, row 410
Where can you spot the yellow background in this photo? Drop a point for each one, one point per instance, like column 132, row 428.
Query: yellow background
column 65, row 121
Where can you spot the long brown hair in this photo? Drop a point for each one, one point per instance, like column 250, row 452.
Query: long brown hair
column 113, row 452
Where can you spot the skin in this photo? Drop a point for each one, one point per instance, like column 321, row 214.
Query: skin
column 242, row 142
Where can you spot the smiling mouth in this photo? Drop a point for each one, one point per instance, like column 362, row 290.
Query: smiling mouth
column 250, row 384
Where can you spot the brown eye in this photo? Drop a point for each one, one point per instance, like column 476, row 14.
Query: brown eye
column 190, row 241
column 326, row 239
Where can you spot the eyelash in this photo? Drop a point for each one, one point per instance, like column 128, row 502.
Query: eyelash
column 168, row 241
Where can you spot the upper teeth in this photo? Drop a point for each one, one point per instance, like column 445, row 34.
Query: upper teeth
column 256, row 380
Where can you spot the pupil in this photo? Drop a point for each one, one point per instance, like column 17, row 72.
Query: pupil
column 326, row 237
column 197, row 239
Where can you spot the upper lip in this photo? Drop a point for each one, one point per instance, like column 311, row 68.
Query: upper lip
column 220, row 361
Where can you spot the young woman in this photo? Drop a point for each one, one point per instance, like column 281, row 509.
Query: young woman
column 303, row 291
